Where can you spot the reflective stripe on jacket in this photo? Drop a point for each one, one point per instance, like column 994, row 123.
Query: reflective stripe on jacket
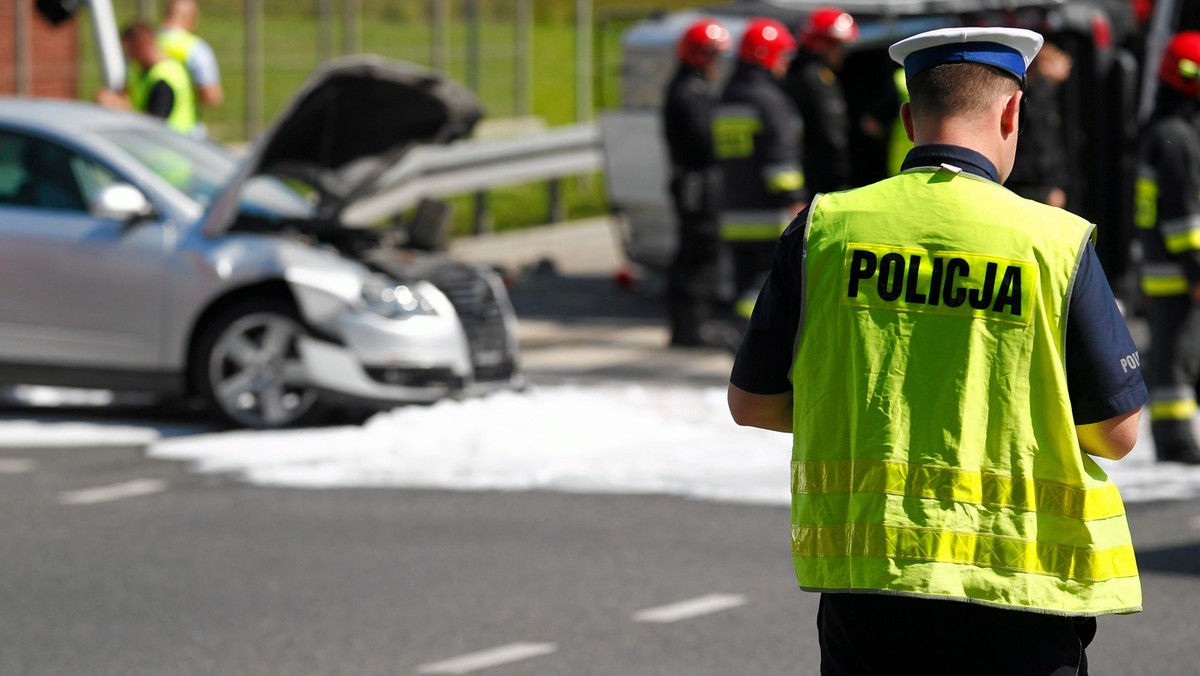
column 934, row 451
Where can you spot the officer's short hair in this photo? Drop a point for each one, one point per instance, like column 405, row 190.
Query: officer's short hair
column 138, row 30
column 959, row 89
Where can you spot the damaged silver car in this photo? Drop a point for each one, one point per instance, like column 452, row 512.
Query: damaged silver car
column 133, row 258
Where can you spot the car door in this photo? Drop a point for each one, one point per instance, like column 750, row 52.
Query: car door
column 76, row 290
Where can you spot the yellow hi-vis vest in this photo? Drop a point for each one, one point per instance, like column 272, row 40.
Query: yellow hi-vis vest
column 178, row 45
column 934, row 451
column 183, row 112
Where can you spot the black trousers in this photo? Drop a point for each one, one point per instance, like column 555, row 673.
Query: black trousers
column 694, row 276
column 867, row 634
column 1173, row 364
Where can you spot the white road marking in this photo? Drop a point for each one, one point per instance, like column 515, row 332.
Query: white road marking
column 486, row 659
column 128, row 489
column 16, row 466
column 685, row 610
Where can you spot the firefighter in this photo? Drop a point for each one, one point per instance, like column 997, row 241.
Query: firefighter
column 756, row 139
column 690, row 100
column 812, row 84
column 1168, row 220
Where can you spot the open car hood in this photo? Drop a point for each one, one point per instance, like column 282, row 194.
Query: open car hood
column 350, row 121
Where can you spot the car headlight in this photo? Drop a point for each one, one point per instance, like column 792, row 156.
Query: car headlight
column 395, row 301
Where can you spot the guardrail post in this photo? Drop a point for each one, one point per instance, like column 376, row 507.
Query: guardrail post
column 483, row 219
column 557, row 212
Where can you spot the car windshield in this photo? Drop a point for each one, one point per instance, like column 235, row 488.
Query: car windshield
column 201, row 169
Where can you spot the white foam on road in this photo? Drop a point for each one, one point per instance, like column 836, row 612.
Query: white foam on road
column 40, row 434
column 598, row 439
column 619, row 439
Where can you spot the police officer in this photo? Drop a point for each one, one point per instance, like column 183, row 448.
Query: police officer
column 695, row 182
column 756, row 141
column 177, row 38
column 157, row 86
column 812, row 83
column 915, row 338
column 1168, row 219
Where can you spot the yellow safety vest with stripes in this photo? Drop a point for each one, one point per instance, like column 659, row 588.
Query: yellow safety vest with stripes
column 178, row 45
column 183, row 112
column 934, row 449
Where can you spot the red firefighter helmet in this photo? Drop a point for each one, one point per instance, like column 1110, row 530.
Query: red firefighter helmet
column 1180, row 66
column 765, row 43
column 828, row 25
column 701, row 42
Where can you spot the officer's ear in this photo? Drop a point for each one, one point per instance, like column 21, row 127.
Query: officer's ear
column 907, row 120
column 1010, row 117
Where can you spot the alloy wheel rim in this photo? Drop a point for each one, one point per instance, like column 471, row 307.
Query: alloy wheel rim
column 256, row 373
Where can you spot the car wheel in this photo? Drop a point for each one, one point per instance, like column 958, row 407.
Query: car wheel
column 248, row 366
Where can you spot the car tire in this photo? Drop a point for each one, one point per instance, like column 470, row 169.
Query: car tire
column 247, row 366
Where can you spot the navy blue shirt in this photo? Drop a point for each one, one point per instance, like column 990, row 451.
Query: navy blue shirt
column 1104, row 379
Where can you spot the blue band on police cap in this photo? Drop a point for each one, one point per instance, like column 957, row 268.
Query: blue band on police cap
column 988, row 53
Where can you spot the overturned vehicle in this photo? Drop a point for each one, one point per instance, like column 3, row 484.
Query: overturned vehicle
column 153, row 262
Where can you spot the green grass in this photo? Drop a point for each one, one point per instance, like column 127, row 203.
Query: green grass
column 399, row 29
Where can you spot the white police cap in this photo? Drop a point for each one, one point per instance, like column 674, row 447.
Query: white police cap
column 1011, row 49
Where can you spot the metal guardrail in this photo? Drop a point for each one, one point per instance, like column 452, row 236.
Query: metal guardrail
column 472, row 167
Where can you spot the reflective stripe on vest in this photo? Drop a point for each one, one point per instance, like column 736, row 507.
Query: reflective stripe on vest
column 1163, row 279
column 1145, row 199
column 1176, row 402
column 783, row 178
column 1182, row 234
column 754, row 225
column 734, row 127
column 946, row 464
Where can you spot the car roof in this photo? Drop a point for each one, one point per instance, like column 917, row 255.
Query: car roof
column 64, row 117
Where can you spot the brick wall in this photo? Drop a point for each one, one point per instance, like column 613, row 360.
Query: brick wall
column 53, row 53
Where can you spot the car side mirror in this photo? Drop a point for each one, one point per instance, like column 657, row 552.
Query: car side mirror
column 122, row 202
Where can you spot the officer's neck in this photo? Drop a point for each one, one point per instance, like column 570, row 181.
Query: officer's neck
column 985, row 139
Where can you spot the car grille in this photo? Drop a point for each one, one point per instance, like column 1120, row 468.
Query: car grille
column 482, row 319
column 416, row 377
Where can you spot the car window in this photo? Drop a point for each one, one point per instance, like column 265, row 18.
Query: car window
column 201, row 170
column 37, row 173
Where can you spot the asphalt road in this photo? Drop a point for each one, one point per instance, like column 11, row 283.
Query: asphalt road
column 209, row 576
column 116, row 564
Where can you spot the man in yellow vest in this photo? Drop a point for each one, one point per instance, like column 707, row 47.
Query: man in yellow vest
column 156, row 84
column 948, row 358
column 177, row 38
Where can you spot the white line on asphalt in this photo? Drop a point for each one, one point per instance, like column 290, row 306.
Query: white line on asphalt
column 129, row 489
column 685, row 610
column 16, row 465
column 485, row 659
